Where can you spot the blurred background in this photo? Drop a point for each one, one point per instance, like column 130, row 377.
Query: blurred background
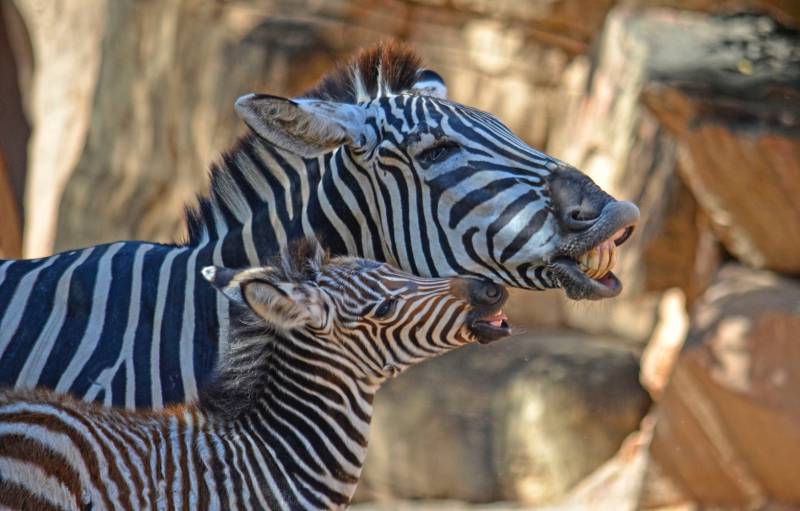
column 684, row 393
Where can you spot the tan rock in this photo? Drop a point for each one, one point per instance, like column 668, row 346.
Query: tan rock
column 616, row 485
column 562, row 414
column 472, row 425
column 662, row 350
column 530, row 312
column 726, row 88
column 728, row 425
column 734, row 173
column 610, row 134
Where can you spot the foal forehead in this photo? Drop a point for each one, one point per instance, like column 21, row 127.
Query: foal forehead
column 374, row 274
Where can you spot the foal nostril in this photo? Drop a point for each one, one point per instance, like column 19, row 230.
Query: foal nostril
column 486, row 293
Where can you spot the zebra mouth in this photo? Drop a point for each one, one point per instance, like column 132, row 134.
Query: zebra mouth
column 490, row 327
column 589, row 276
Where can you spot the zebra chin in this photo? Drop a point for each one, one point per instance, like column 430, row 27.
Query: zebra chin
column 579, row 286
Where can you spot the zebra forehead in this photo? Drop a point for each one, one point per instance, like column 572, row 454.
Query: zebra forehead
column 384, row 69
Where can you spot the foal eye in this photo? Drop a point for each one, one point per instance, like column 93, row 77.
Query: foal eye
column 438, row 153
column 385, row 308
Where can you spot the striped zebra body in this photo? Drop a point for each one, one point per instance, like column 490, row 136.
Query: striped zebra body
column 140, row 283
column 284, row 422
column 377, row 163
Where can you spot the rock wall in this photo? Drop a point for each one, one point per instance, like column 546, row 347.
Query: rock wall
column 724, row 428
column 728, row 426
column 687, row 107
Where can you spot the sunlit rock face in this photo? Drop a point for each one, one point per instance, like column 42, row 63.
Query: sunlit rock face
column 726, row 426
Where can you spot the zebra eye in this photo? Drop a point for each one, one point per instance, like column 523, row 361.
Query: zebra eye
column 438, row 153
column 385, row 308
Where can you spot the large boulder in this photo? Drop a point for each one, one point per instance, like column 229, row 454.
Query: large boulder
column 524, row 418
column 562, row 414
column 727, row 89
column 727, row 428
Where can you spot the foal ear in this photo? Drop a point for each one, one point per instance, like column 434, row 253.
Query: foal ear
column 282, row 305
column 307, row 127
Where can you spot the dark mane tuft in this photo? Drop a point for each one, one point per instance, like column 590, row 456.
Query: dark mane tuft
column 302, row 260
column 386, row 68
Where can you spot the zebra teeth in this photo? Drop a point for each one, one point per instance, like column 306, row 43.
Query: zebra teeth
column 600, row 260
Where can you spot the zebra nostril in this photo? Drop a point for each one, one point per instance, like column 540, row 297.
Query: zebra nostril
column 580, row 217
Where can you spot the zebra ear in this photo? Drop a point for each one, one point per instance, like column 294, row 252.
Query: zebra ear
column 307, row 127
column 281, row 305
column 429, row 83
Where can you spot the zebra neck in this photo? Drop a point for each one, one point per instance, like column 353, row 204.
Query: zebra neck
column 312, row 420
column 262, row 197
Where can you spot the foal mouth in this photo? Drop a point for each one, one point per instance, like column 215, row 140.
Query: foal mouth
column 490, row 326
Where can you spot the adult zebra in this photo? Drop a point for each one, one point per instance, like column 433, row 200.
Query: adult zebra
column 376, row 162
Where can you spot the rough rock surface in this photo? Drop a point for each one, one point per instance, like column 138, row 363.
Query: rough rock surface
column 734, row 108
column 562, row 414
column 728, row 424
column 664, row 347
column 65, row 37
column 607, row 132
column 617, row 484
column 524, row 418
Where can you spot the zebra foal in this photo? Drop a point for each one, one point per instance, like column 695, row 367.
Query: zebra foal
column 283, row 423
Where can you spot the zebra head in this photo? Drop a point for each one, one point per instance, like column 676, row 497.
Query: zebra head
column 372, row 320
column 450, row 189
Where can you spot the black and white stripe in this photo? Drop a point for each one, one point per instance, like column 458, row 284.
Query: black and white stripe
column 283, row 424
column 367, row 162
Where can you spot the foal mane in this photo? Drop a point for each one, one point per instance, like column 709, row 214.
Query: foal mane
column 243, row 364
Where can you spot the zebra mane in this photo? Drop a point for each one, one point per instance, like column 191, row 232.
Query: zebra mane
column 243, row 364
column 385, row 69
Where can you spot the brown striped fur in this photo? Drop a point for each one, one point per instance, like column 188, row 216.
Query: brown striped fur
column 57, row 452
